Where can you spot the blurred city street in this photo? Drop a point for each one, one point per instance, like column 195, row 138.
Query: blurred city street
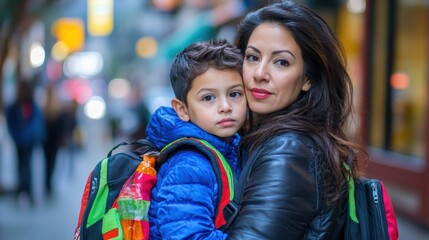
column 55, row 218
column 103, row 65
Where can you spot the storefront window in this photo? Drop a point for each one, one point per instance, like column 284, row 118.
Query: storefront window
column 408, row 80
column 398, row 76
column 350, row 31
column 377, row 68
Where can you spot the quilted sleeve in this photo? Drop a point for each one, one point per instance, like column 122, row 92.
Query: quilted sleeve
column 186, row 199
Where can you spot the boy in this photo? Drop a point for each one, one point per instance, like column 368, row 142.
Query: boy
column 209, row 105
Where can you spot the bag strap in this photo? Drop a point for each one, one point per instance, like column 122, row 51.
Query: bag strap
column 232, row 209
column 146, row 144
column 351, row 188
column 224, row 175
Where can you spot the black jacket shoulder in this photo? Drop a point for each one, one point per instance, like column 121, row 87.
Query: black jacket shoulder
column 284, row 197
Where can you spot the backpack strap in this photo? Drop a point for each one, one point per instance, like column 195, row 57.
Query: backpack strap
column 144, row 144
column 231, row 210
column 352, row 202
column 224, row 175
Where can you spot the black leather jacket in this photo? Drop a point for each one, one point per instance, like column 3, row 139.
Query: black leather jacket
column 284, row 197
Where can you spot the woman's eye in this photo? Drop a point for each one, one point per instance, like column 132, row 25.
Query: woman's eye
column 282, row 62
column 251, row 58
column 208, row 98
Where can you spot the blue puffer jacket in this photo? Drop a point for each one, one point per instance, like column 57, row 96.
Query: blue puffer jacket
column 183, row 200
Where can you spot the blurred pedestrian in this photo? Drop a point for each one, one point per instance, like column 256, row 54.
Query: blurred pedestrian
column 73, row 133
column 55, row 133
column 143, row 115
column 25, row 125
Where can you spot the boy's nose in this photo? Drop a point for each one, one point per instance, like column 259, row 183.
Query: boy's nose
column 225, row 106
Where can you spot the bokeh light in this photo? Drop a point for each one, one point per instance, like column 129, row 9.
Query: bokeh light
column 59, row 51
column 356, row 6
column 77, row 89
column 37, row 55
column 399, row 81
column 95, row 108
column 71, row 32
column 83, row 64
column 119, row 88
column 146, row 47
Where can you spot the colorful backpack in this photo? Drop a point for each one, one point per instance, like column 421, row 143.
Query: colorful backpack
column 371, row 213
column 116, row 198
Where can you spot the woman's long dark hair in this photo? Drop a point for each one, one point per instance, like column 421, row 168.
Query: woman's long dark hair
column 323, row 111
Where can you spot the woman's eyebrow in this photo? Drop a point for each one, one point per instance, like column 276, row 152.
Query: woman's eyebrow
column 282, row 51
column 254, row 49
column 274, row 52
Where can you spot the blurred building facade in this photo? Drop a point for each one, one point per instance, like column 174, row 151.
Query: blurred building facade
column 99, row 53
column 395, row 117
column 387, row 47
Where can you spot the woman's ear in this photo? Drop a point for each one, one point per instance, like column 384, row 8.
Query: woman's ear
column 307, row 85
column 180, row 109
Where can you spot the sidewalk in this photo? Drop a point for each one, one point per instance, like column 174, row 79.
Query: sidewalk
column 410, row 231
column 52, row 218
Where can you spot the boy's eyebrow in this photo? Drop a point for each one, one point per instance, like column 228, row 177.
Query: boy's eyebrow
column 237, row 85
column 205, row 89
column 231, row 87
column 274, row 52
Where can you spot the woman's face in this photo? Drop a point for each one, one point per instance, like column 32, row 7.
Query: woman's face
column 273, row 69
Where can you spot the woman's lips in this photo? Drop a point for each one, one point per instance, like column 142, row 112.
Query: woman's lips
column 259, row 93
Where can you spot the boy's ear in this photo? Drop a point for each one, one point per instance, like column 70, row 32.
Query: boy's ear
column 180, row 109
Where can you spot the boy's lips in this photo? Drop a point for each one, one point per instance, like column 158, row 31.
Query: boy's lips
column 260, row 93
column 226, row 122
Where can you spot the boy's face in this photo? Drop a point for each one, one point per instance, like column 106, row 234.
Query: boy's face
column 216, row 102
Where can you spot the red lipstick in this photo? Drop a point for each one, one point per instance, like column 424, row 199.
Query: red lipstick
column 260, row 93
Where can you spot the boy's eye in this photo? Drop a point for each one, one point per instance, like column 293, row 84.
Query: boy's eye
column 235, row 94
column 208, row 98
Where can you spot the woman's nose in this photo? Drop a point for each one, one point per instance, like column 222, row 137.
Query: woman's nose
column 261, row 72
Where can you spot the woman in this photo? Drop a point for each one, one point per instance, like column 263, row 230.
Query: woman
column 300, row 97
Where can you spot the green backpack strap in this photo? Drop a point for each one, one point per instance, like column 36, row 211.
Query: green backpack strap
column 351, row 187
column 99, row 206
column 224, row 175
